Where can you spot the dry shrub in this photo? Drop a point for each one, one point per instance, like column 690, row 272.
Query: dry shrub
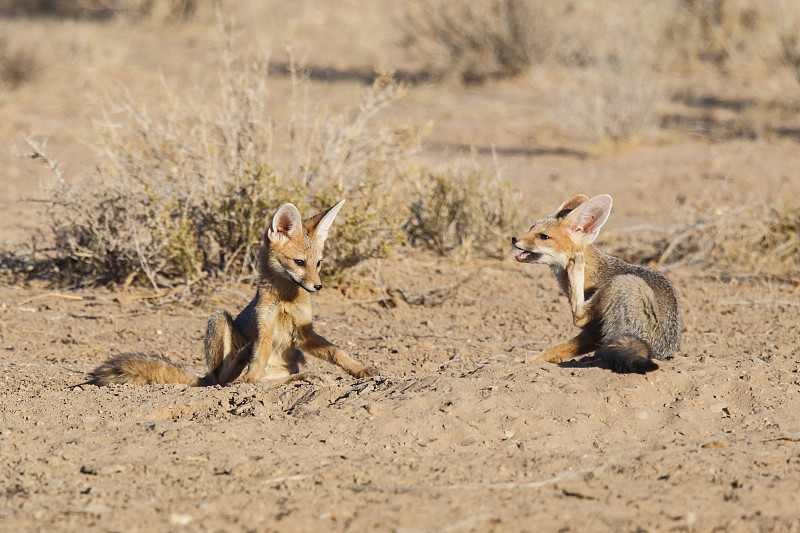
column 476, row 40
column 751, row 238
column 352, row 155
column 187, row 191
column 790, row 43
column 18, row 65
column 786, row 22
column 718, row 30
column 733, row 32
column 460, row 207
column 615, row 98
column 613, row 89
column 101, row 9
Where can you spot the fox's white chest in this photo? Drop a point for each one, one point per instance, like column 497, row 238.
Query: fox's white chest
column 282, row 359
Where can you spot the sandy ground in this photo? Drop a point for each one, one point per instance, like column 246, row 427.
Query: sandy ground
column 461, row 431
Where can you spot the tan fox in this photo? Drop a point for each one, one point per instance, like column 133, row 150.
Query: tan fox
column 629, row 314
column 268, row 335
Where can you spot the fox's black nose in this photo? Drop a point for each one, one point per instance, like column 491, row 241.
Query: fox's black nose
column 318, row 286
column 513, row 240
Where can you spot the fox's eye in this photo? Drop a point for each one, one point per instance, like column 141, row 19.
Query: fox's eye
column 299, row 262
column 319, row 263
column 544, row 236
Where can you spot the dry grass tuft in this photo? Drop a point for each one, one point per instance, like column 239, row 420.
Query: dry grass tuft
column 714, row 30
column 162, row 10
column 753, row 238
column 612, row 89
column 787, row 28
column 461, row 208
column 737, row 32
column 18, row 65
column 474, row 40
column 616, row 98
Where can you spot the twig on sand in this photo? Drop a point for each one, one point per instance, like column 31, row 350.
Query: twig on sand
column 790, row 438
column 452, row 526
column 430, row 297
column 766, row 303
column 48, row 295
column 296, row 477
column 457, row 356
column 564, row 476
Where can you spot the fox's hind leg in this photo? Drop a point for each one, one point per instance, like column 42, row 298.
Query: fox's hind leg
column 222, row 347
column 584, row 342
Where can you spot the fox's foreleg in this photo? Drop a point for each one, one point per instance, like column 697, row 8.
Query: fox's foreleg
column 311, row 342
column 581, row 310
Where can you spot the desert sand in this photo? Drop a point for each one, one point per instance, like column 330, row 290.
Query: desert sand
column 461, row 430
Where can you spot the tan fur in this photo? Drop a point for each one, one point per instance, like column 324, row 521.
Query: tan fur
column 267, row 339
column 628, row 313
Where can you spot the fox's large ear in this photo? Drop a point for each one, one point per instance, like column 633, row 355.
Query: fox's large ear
column 285, row 224
column 586, row 220
column 320, row 224
column 570, row 205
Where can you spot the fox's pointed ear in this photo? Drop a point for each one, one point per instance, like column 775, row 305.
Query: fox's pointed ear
column 570, row 205
column 586, row 220
column 285, row 224
column 320, row 224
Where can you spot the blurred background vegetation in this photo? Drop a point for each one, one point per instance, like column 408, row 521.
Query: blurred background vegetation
column 186, row 163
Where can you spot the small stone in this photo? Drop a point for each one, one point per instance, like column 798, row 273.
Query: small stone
column 104, row 469
column 685, row 415
column 372, row 409
column 180, row 519
column 640, row 415
column 507, row 434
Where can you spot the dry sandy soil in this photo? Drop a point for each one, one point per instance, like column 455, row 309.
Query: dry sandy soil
column 461, row 431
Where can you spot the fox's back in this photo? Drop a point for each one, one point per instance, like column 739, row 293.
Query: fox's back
column 635, row 300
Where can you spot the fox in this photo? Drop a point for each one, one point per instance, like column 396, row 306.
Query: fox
column 628, row 314
column 266, row 341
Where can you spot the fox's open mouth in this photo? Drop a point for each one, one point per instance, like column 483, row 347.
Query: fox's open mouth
column 527, row 257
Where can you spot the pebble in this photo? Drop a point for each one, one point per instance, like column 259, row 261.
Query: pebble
column 180, row 519
column 640, row 415
column 104, row 469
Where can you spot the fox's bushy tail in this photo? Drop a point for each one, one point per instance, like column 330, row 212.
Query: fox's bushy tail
column 627, row 354
column 143, row 369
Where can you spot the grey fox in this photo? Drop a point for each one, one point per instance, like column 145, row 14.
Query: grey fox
column 629, row 314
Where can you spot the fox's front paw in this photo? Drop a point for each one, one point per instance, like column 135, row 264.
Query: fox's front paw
column 366, row 372
column 576, row 262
